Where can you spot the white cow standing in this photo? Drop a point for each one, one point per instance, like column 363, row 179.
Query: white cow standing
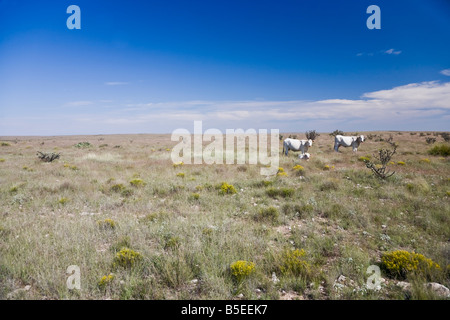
column 348, row 141
column 296, row 145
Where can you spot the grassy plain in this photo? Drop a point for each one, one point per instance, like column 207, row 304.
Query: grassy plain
column 309, row 234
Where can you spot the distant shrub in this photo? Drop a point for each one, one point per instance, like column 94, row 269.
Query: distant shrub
column 400, row 263
column 2, row 160
column 83, row 145
column 226, row 188
column 180, row 175
column 364, row 158
column 430, row 140
column 195, row 196
column 293, row 262
column 63, row 201
column 106, row 224
column 5, row 144
column 267, row 214
column 445, row 136
column 313, row 135
column 172, row 243
column 401, row 163
column 283, row 192
column 242, row 269
column 118, row 187
column 178, row 164
column 13, row 189
column 105, row 280
column 440, row 150
column 137, row 182
column 425, row 160
column 127, row 258
column 337, row 132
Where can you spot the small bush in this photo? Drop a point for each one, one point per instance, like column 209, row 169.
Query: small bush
column 180, row 175
column 83, row 145
column 106, row 224
column 242, row 269
column 363, row 159
column 127, row 258
column 178, row 164
column 425, row 160
column 118, row 187
column 226, row 188
column 300, row 170
column 105, row 280
column 281, row 172
column 283, row 192
column 4, row 144
column 401, row 163
column 293, row 263
column 2, row 160
column 268, row 214
column 172, row 243
column 400, row 263
column 195, row 196
column 337, row 132
column 137, row 182
column 63, row 201
column 440, row 150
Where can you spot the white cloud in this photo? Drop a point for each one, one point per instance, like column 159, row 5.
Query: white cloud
column 445, row 72
column 392, row 51
column 415, row 106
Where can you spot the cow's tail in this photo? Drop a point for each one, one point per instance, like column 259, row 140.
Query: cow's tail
column 284, row 144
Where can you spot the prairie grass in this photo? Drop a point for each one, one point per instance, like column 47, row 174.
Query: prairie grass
column 137, row 230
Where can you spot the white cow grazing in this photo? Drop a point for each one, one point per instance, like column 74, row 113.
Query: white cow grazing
column 347, row 141
column 296, row 145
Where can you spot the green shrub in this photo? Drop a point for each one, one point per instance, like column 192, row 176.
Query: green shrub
column 400, row 263
column 180, row 174
column 293, row 263
column 364, row 159
column 118, row 187
column 127, row 258
column 83, row 145
column 106, row 224
column 2, row 160
column 268, row 214
column 440, row 150
column 242, row 269
column 283, row 192
column 5, row 144
column 137, row 182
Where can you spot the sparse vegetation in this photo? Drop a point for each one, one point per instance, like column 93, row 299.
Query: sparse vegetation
column 440, row 150
column 307, row 236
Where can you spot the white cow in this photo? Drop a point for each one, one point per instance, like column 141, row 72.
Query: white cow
column 296, row 145
column 304, row 156
column 347, row 141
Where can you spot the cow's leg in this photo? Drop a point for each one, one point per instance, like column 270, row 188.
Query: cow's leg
column 336, row 147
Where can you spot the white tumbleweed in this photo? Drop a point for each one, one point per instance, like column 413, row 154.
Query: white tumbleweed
column 296, row 145
column 348, row 141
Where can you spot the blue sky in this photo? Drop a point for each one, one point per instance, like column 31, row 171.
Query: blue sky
column 154, row 66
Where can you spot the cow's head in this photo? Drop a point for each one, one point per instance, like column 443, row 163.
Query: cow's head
column 310, row 142
column 360, row 139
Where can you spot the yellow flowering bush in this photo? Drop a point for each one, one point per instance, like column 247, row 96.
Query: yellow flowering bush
column 281, row 172
column 180, row 174
column 401, row 262
column 425, row 160
column 401, row 163
column 226, row 188
column 105, row 280
column 126, row 258
column 137, row 182
column 292, row 262
column 178, row 164
column 241, row 269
